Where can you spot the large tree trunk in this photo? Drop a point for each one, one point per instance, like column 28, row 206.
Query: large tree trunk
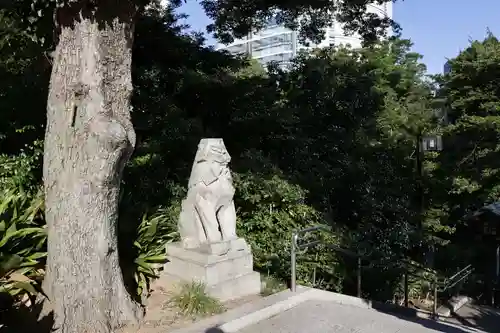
column 89, row 138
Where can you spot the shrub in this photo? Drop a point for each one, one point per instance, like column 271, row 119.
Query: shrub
column 23, row 231
column 22, row 244
column 21, row 172
column 271, row 285
column 22, row 226
column 269, row 209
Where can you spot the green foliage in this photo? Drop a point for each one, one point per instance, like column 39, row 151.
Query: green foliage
column 341, row 138
column 270, row 209
column 22, row 226
column 21, row 171
column 193, row 300
column 310, row 17
column 22, row 233
column 331, row 141
column 321, row 146
column 230, row 20
column 465, row 176
column 421, row 282
column 24, row 70
column 472, row 98
column 153, row 233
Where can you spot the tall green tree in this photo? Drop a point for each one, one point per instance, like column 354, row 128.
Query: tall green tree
column 473, row 96
column 467, row 171
column 353, row 114
column 341, row 125
column 25, row 71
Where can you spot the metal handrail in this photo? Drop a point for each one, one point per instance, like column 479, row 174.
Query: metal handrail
column 457, row 277
column 438, row 285
column 296, row 246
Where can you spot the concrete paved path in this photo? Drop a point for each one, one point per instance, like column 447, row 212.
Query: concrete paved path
column 316, row 311
column 320, row 316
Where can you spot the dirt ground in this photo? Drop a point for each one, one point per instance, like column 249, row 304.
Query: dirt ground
column 162, row 317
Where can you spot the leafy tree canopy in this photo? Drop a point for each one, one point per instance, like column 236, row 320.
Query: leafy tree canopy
column 471, row 94
column 236, row 19
column 232, row 19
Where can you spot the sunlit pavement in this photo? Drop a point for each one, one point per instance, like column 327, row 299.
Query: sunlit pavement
column 330, row 317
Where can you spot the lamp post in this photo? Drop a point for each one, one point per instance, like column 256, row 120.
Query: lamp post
column 432, row 143
column 425, row 143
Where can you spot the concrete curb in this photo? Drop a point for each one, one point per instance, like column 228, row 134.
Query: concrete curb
column 263, row 314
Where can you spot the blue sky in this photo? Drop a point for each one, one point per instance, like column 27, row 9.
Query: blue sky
column 439, row 29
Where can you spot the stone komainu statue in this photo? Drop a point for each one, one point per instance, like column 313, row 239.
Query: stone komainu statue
column 208, row 214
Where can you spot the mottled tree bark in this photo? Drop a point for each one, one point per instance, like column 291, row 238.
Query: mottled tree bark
column 89, row 138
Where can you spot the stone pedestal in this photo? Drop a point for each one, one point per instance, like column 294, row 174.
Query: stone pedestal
column 227, row 276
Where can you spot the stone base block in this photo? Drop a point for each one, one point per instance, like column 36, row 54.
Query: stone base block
column 242, row 286
column 226, row 276
column 221, row 248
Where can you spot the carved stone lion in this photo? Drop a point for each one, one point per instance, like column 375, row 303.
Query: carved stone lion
column 208, row 214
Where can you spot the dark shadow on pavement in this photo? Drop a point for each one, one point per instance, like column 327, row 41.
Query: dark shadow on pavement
column 214, row 330
column 481, row 317
column 409, row 314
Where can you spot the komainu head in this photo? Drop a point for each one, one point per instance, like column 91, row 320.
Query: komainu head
column 212, row 150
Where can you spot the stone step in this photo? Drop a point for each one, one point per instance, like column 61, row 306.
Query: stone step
column 453, row 305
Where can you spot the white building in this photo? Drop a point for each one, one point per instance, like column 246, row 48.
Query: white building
column 277, row 43
column 447, row 67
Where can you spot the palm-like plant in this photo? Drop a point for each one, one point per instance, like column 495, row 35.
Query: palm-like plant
column 153, row 233
column 22, row 244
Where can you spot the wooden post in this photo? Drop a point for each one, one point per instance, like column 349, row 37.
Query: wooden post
column 359, row 277
column 406, row 288
column 293, row 263
column 434, row 306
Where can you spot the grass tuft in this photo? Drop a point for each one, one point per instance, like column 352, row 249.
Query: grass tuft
column 271, row 285
column 193, row 300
